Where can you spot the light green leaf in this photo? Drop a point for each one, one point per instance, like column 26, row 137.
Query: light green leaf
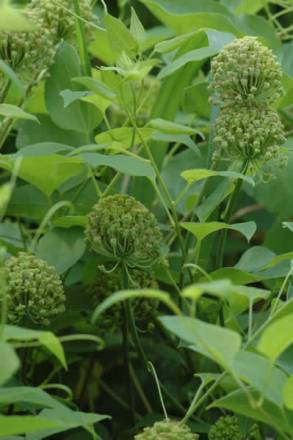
column 6, row 69
column 12, row 20
column 45, row 172
column 120, row 38
column 124, row 295
column 198, row 174
column 46, row 338
column 32, row 395
column 276, row 337
column 70, row 220
column 164, row 126
column 11, row 363
column 10, row 425
column 14, row 112
column 202, row 230
column 136, row 28
column 288, row 393
column 218, row 343
column 96, row 86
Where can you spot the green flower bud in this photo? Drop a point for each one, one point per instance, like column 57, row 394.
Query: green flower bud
column 245, row 70
column 28, row 53
column 61, row 16
column 123, row 229
column 108, row 283
column 249, row 133
column 34, row 289
column 167, row 430
column 228, row 428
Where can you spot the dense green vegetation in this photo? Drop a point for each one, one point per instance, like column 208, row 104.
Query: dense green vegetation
column 146, row 232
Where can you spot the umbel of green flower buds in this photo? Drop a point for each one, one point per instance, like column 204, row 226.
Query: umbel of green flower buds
column 34, row 290
column 108, row 283
column 246, row 70
column 60, row 15
column 250, row 133
column 228, row 428
column 29, row 53
column 123, row 229
column 167, row 430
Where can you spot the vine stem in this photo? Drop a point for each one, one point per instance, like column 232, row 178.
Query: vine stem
column 227, row 217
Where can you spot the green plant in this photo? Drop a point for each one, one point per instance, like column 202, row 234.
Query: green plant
column 145, row 255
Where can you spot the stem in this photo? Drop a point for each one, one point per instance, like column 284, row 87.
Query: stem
column 81, row 41
column 227, row 217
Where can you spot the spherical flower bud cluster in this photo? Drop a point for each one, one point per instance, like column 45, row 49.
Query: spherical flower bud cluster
column 167, row 430
column 123, row 229
column 61, row 17
column 108, row 283
column 246, row 77
column 228, row 428
column 245, row 70
column 34, row 290
column 28, row 53
column 32, row 53
column 252, row 133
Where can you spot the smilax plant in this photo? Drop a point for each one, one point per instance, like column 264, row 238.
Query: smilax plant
column 145, row 257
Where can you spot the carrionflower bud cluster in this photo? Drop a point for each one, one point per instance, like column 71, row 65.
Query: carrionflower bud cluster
column 246, row 78
column 167, row 430
column 228, row 428
column 61, row 17
column 123, row 229
column 245, row 70
column 31, row 53
column 108, row 283
column 251, row 133
column 34, row 290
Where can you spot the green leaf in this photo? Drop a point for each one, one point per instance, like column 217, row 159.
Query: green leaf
column 288, row 393
column 255, row 259
column 6, row 69
column 218, row 343
column 133, row 166
column 78, row 116
column 96, row 86
column 237, row 402
column 216, row 41
column 14, row 112
column 186, row 16
column 34, row 396
column 288, row 225
column 136, row 28
column 45, row 172
column 202, row 230
column 10, row 425
column 124, row 295
column 46, row 338
column 120, row 38
column 11, row 363
column 198, row 174
column 258, row 372
column 123, row 136
column 71, row 220
column 164, row 126
column 70, row 244
column 276, row 337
